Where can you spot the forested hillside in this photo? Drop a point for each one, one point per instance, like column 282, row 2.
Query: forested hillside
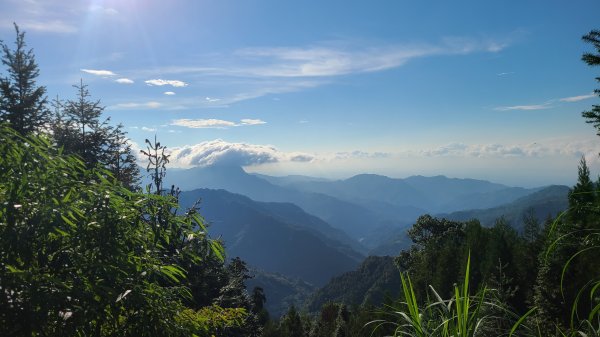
column 267, row 241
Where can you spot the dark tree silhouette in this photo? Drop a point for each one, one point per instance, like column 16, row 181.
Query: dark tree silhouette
column 22, row 102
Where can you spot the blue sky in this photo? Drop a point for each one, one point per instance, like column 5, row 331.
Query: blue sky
column 490, row 90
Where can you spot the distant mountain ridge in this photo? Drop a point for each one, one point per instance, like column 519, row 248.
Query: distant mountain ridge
column 358, row 205
column 274, row 237
column 353, row 219
column 543, row 203
column 427, row 194
column 302, row 231
column 378, row 276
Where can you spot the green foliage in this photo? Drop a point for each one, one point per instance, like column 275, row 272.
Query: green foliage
column 120, row 160
column 22, row 103
column 461, row 315
column 547, row 202
column 440, row 261
column 435, row 258
column 78, row 129
column 582, row 196
column 80, row 255
column 291, row 324
column 211, row 321
column 593, row 59
column 333, row 321
column 374, row 280
column 569, row 265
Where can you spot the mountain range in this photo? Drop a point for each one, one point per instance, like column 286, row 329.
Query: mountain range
column 275, row 237
column 300, row 233
column 542, row 204
column 359, row 205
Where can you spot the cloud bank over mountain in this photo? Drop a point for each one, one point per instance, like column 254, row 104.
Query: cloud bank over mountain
column 220, row 152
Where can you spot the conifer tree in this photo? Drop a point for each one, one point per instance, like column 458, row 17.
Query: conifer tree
column 87, row 135
column 78, row 128
column 291, row 325
column 563, row 270
column 22, row 102
column 593, row 59
column 565, row 265
column 121, row 161
column 582, row 196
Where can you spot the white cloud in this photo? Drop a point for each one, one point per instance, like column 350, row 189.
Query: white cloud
column 124, row 81
column 247, row 121
column 135, row 105
column 214, row 123
column 147, row 129
column 321, row 61
column 49, row 16
column 546, row 148
column 47, row 26
column 160, row 82
column 169, row 93
column 578, row 98
column 203, row 123
column 300, row 157
column 220, row 152
column 271, row 88
column 357, row 154
column 104, row 10
column 250, row 73
column 524, row 107
column 99, row 72
column 548, row 103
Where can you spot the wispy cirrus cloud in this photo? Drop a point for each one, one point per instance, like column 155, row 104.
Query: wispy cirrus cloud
column 49, row 16
column 169, row 93
column 44, row 26
column 104, row 10
column 255, row 72
column 161, row 82
column 578, row 98
column 136, row 105
column 524, row 107
column 548, row 104
column 98, row 72
column 214, row 123
column 333, row 59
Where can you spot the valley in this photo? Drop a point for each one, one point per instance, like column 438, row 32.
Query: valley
column 302, row 233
